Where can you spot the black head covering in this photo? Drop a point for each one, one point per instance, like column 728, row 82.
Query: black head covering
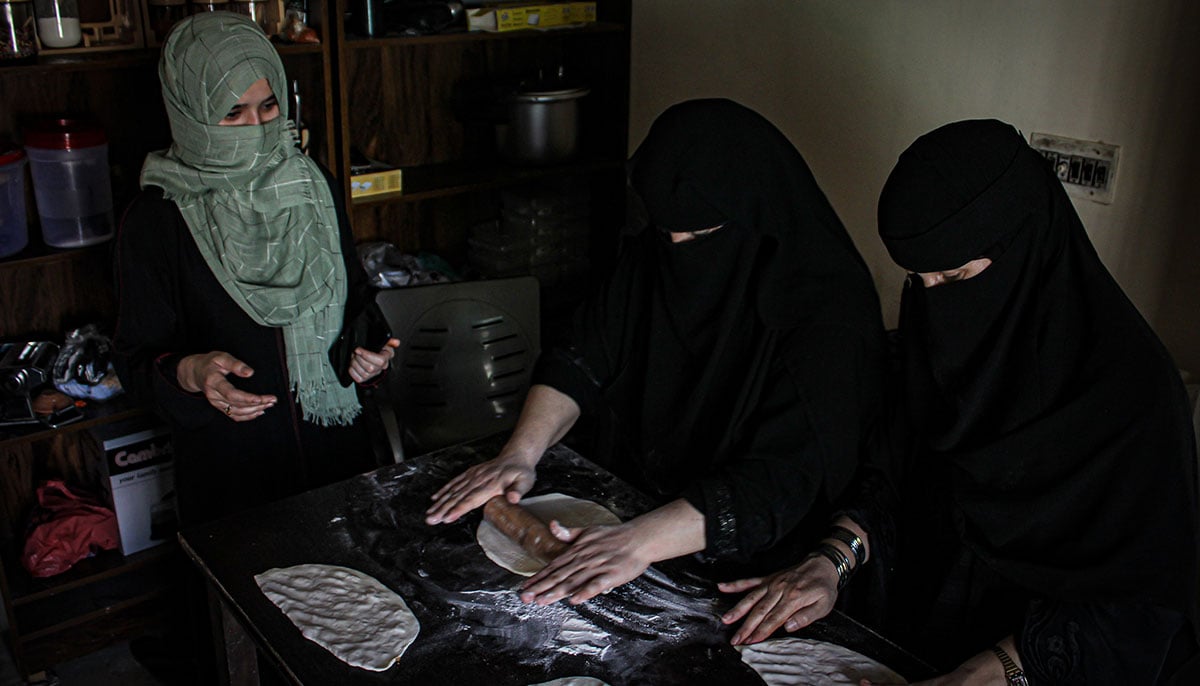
column 780, row 261
column 708, row 162
column 1036, row 385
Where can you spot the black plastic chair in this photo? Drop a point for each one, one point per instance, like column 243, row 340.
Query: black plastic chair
column 462, row 370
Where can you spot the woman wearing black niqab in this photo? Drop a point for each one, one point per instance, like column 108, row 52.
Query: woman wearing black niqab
column 730, row 366
column 1051, row 502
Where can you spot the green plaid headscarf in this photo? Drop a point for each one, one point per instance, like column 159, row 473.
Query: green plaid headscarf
column 259, row 210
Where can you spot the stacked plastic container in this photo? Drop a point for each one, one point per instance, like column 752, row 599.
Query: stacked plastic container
column 542, row 230
column 14, row 234
column 68, row 159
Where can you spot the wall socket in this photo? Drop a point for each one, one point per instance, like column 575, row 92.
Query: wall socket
column 1087, row 169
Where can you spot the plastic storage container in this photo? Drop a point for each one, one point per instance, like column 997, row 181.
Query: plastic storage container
column 68, row 159
column 14, row 235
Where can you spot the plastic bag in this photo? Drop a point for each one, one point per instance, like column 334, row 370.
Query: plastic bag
column 83, row 368
column 66, row 527
column 389, row 268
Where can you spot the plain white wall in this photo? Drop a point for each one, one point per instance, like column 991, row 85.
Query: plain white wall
column 852, row 83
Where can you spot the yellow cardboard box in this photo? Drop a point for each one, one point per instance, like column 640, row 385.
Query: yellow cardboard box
column 375, row 183
column 532, row 16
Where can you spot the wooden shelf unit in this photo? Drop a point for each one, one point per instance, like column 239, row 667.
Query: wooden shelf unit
column 398, row 99
column 428, row 105
column 45, row 292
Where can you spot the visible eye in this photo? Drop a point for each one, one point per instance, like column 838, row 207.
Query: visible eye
column 951, row 277
column 270, row 105
column 234, row 113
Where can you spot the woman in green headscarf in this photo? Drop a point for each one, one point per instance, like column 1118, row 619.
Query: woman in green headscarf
column 235, row 264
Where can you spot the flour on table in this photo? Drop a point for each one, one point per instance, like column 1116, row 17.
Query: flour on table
column 801, row 661
column 362, row 622
column 572, row 681
column 569, row 511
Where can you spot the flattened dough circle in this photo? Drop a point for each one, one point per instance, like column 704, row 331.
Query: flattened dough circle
column 802, row 661
column 352, row 615
column 568, row 510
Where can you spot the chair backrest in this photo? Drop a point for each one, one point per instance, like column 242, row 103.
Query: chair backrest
column 466, row 355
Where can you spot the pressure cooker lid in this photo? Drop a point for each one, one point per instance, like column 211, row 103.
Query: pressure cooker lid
column 549, row 95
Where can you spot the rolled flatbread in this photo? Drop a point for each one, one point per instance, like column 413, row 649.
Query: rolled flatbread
column 352, row 615
column 802, row 661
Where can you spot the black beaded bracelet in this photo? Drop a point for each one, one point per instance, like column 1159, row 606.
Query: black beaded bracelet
column 841, row 563
column 852, row 540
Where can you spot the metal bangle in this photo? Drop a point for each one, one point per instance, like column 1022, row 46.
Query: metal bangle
column 841, row 563
column 852, row 540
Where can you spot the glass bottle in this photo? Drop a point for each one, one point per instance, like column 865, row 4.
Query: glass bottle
column 18, row 38
column 58, row 23
column 256, row 10
column 208, row 5
column 161, row 15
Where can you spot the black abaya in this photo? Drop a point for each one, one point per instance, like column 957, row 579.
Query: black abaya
column 740, row 369
column 1053, row 460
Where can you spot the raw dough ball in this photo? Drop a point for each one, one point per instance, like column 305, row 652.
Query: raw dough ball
column 569, row 511
column 362, row 622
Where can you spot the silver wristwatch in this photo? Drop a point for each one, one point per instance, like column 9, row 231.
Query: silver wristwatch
column 1012, row 673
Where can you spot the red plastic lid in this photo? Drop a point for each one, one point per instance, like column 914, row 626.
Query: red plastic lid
column 63, row 134
column 9, row 154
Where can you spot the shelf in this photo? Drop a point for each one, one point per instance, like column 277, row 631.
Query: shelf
column 118, row 59
column 443, row 180
column 355, row 42
column 37, row 254
column 87, row 631
column 95, row 414
column 26, row 590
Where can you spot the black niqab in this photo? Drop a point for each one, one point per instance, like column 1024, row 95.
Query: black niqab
column 1036, row 387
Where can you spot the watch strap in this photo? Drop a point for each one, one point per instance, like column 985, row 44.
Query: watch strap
column 1012, row 673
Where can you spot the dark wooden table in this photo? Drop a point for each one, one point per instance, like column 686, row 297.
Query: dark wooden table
column 662, row 628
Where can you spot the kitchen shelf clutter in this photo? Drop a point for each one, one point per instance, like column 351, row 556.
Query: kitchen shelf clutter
column 433, row 106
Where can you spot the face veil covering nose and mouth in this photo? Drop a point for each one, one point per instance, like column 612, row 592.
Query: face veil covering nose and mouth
column 259, row 210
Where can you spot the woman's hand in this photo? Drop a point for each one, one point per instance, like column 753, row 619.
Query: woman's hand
column 600, row 559
column 366, row 365
column 981, row 669
column 793, row 599
column 207, row 374
column 603, row 557
column 508, row 473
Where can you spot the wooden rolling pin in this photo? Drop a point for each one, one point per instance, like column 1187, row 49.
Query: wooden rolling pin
column 524, row 527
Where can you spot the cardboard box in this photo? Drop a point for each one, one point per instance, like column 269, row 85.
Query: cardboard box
column 375, row 182
column 139, row 462
column 531, row 16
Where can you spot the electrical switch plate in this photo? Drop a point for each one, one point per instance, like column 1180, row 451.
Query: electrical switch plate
column 1087, row 169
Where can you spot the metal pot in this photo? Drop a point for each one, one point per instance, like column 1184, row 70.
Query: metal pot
column 542, row 126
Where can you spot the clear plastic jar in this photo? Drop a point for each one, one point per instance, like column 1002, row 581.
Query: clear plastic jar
column 68, row 160
column 58, row 23
column 18, row 38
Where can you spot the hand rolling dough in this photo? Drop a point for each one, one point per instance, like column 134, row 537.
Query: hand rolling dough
column 362, row 622
column 569, row 511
